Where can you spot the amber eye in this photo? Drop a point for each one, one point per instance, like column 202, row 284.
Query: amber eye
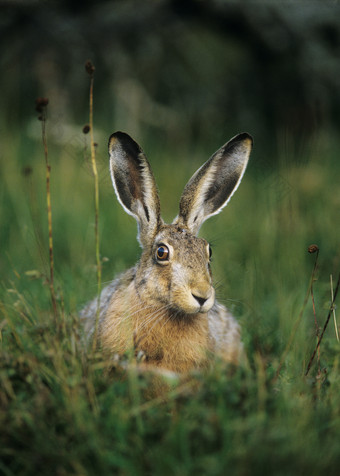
column 162, row 253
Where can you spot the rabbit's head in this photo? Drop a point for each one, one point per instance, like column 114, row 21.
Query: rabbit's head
column 174, row 270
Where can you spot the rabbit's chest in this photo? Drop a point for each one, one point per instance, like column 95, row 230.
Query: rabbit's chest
column 176, row 345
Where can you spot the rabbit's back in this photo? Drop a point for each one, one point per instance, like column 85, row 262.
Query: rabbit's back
column 88, row 315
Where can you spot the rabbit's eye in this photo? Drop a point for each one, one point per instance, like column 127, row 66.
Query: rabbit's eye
column 210, row 251
column 162, row 253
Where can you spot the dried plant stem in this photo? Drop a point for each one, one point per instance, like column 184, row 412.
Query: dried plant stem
column 334, row 317
column 96, row 203
column 49, row 218
column 298, row 320
column 317, row 330
column 324, row 327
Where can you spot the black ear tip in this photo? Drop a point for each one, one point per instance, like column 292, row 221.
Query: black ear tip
column 244, row 136
column 243, row 139
column 118, row 136
column 125, row 141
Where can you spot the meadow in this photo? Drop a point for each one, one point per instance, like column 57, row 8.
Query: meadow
column 62, row 412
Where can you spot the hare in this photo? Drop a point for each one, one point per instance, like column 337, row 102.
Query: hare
column 164, row 308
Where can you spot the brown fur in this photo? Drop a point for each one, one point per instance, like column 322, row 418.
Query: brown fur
column 175, row 343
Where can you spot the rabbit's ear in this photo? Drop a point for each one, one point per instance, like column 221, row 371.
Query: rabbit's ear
column 211, row 187
column 135, row 185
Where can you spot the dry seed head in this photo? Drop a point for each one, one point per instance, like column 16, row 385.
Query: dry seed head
column 89, row 68
column 27, row 171
column 313, row 248
column 40, row 104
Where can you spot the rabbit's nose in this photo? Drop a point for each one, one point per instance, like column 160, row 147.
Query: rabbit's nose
column 200, row 300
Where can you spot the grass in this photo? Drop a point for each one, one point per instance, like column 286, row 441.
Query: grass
column 62, row 413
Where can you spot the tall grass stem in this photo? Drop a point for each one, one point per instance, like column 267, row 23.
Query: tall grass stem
column 298, row 320
column 49, row 217
column 96, row 204
column 324, row 327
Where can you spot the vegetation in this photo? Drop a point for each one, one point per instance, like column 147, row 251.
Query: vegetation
column 61, row 410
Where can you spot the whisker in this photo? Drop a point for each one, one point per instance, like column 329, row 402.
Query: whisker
column 169, row 318
column 151, row 317
column 128, row 315
column 137, row 309
column 156, row 316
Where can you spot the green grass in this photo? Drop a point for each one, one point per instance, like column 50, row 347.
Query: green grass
column 62, row 413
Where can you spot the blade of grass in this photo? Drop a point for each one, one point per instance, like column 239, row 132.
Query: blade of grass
column 334, row 316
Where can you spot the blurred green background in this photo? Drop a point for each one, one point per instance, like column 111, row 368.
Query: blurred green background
column 182, row 78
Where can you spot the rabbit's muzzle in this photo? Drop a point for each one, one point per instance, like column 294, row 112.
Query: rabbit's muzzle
column 193, row 300
column 186, row 290
column 205, row 299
